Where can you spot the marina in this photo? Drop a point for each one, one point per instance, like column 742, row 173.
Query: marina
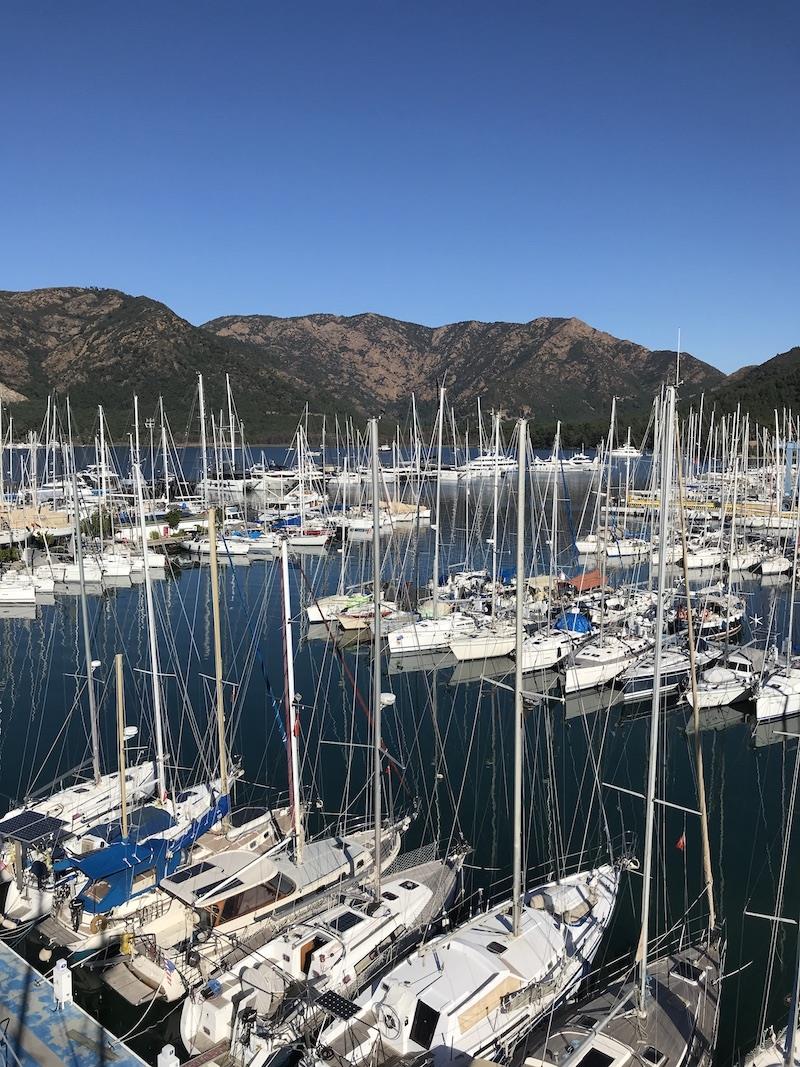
column 457, row 675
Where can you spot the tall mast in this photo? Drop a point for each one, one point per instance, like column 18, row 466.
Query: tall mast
column 291, row 706
column 604, row 552
column 201, row 397
column 103, row 476
column 230, row 421
column 495, row 495
column 466, row 502
column 554, row 516
column 517, row 887
column 698, row 736
column 376, row 652
column 667, row 441
column 136, row 428
column 220, row 696
column 151, row 633
column 436, row 538
column 123, row 799
column 164, row 449
column 87, row 645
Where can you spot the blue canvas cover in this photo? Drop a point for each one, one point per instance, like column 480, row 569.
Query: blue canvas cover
column 573, row 621
column 110, row 871
column 142, row 823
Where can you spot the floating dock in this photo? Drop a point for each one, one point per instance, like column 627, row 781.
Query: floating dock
column 34, row 1032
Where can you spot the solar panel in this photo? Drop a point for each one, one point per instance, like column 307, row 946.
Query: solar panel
column 337, row 1006
column 30, row 827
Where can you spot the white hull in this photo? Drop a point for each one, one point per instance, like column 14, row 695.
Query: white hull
column 779, row 696
column 483, row 645
column 430, row 635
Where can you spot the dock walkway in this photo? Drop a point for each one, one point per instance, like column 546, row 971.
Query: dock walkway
column 34, row 1034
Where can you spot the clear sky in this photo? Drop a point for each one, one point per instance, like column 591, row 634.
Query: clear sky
column 636, row 164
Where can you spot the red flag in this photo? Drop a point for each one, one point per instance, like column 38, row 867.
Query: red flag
column 680, row 844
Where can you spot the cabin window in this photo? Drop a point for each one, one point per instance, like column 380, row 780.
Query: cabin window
column 389, row 896
column 496, row 947
column 595, row 1058
column 145, row 880
column 652, row 1055
column 587, row 1021
column 97, row 891
column 259, row 896
column 408, row 885
column 424, row 1025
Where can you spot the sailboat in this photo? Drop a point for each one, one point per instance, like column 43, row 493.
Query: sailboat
column 61, row 822
column 476, row 991
column 114, row 890
column 274, row 991
column 496, row 636
column 779, row 694
column 437, row 632
column 666, row 1014
column 246, row 893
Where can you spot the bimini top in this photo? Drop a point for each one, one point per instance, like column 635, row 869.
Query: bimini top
column 142, row 823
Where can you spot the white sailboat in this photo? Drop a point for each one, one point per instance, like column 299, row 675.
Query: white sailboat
column 476, row 991
column 274, row 991
column 249, row 893
column 665, row 1012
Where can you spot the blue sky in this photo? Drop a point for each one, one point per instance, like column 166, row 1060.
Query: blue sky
column 634, row 164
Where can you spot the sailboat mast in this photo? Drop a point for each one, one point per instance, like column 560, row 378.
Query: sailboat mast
column 123, row 799
column 436, row 538
column 164, row 449
column 291, row 706
column 219, row 693
column 136, row 428
column 698, row 737
column 667, row 440
column 230, row 425
column 495, row 496
column 604, row 552
column 87, row 645
column 517, row 887
column 201, row 399
column 554, row 518
column 376, row 652
column 151, row 633
column 103, row 477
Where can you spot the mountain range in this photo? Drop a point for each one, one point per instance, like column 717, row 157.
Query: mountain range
column 100, row 346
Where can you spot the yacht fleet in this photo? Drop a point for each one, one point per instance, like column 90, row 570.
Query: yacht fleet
column 282, row 925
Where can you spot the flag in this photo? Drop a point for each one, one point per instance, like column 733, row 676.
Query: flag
column 169, row 966
column 680, row 844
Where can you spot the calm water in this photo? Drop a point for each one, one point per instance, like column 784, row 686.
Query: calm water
column 449, row 739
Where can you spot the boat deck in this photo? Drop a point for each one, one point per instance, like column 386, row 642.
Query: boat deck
column 34, row 1034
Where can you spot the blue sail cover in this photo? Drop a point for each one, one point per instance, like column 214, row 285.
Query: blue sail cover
column 143, row 823
column 111, row 872
column 574, row 622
